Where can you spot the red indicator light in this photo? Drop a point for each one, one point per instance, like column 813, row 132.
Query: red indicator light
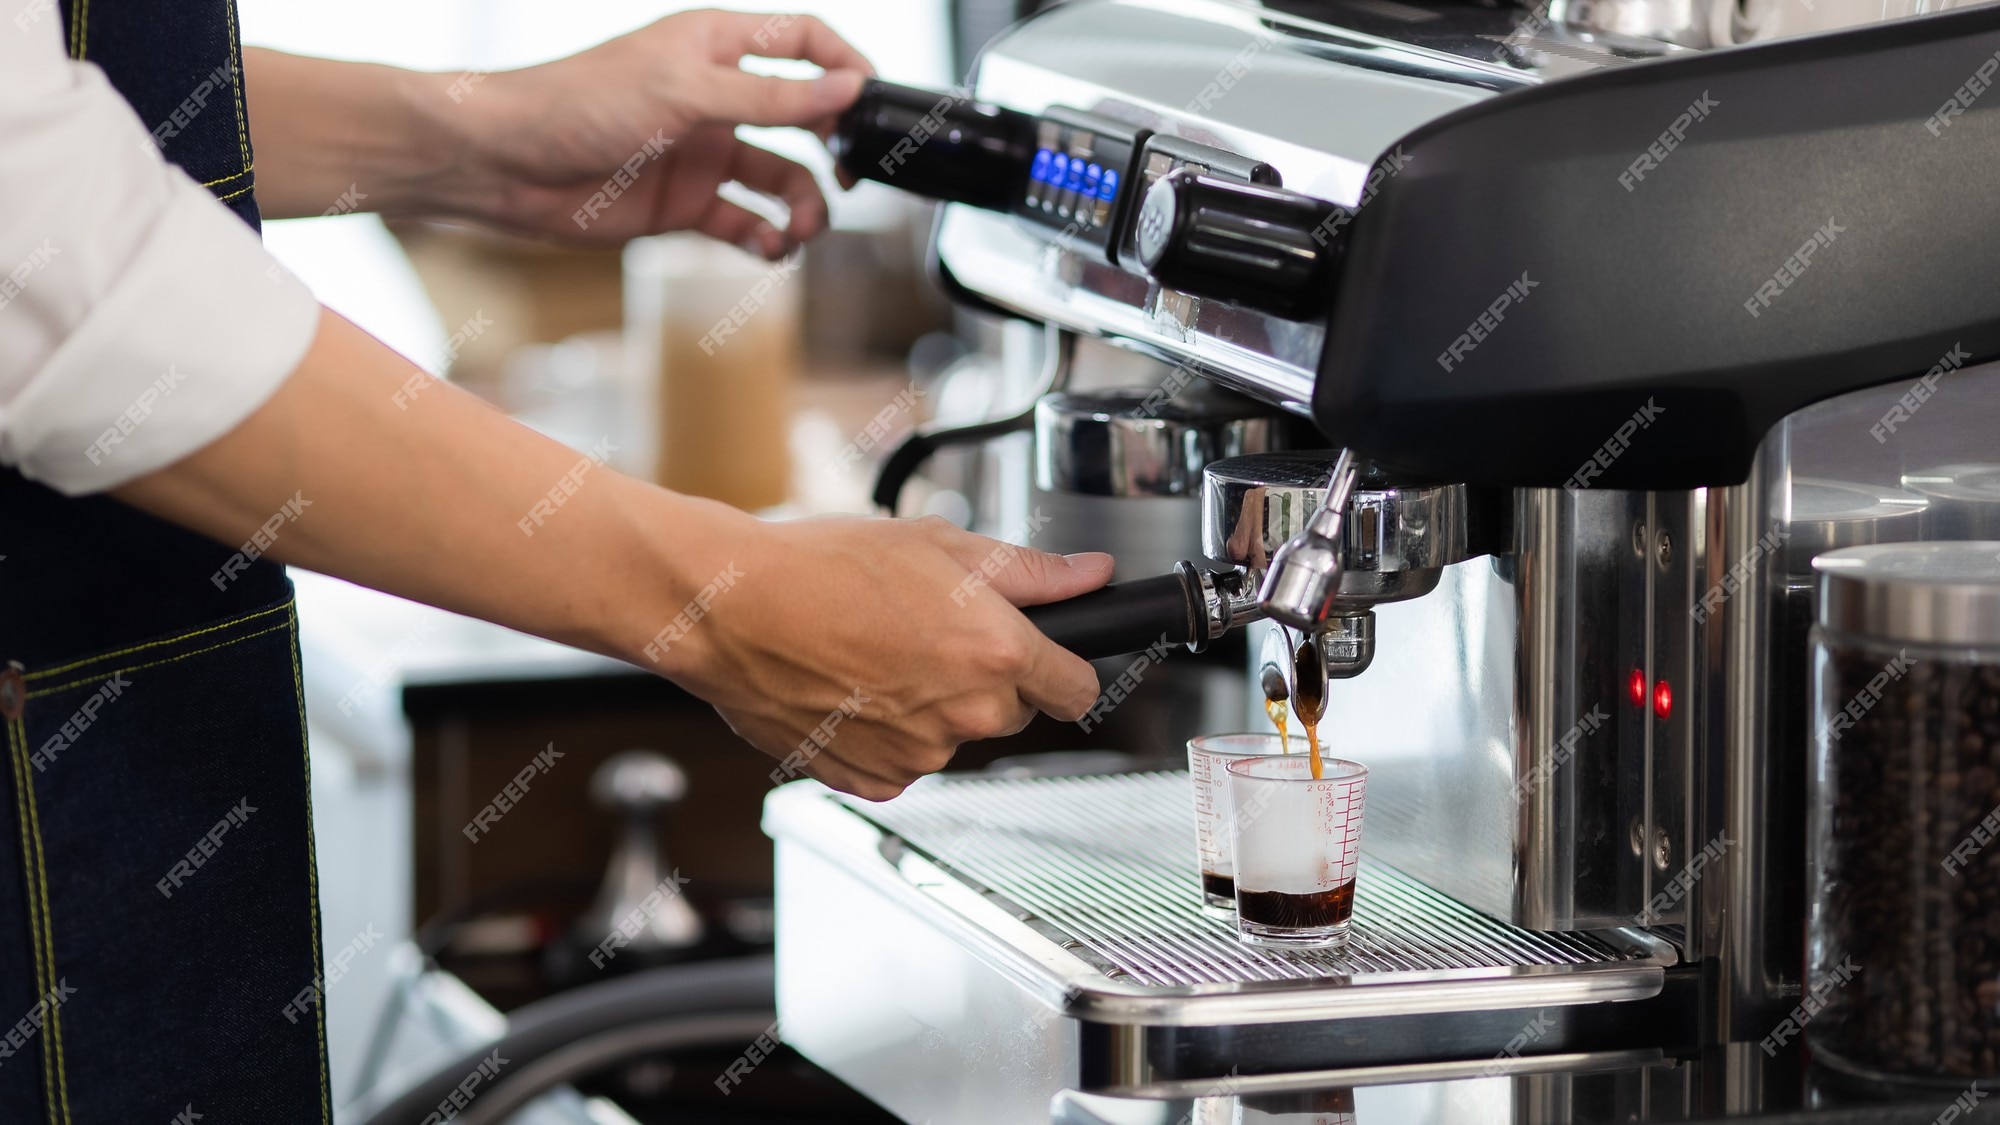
column 1663, row 699
column 1636, row 688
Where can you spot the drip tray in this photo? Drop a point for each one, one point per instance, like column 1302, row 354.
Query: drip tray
column 1101, row 871
column 987, row 942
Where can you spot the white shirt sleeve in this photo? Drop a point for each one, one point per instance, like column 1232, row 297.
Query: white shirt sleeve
column 139, row 318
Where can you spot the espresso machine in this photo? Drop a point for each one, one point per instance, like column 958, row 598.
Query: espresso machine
column 1608, row 317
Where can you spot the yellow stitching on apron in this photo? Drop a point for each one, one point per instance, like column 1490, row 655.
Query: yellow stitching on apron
column 234, row 194
column 41, row 921
column 229, row 177
column 17, row 762
column 95, row 677
column 312, row 871
column 54, row 1027
column 236, row 85
column 175, row 639
column 75, row 29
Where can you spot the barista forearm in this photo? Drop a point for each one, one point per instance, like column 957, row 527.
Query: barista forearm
column 420, row 489
column 333, row 137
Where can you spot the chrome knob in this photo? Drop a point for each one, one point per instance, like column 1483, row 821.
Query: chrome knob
column 1251, row 244
column 640, row 888
column 637, row 782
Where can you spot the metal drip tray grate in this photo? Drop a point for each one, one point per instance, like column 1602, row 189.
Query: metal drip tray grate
column 1103, row 868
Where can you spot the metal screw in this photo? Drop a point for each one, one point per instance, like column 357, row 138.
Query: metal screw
column 1638, row 838
column 1663, row 849
column 1639, row 539
column 1666, row 551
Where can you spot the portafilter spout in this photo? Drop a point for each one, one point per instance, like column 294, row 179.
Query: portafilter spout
column 1304, row 576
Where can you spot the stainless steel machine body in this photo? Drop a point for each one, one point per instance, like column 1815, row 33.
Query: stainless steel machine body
column 1583, row 709
column 979, row 947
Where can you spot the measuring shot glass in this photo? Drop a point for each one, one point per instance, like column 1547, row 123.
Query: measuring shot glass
column 1208, row 758
column 1297, row 841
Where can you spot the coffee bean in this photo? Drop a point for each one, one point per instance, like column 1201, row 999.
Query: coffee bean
column 1908, row 782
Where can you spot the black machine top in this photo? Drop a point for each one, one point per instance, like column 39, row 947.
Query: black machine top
column 1625, row 279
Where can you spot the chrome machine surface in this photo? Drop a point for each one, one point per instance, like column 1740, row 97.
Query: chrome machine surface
column 1229, row 76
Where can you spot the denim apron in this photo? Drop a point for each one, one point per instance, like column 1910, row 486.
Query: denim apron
column 159, row 926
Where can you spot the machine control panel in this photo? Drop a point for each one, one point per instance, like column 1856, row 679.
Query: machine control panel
column 1198, row 220
column 1077, row 179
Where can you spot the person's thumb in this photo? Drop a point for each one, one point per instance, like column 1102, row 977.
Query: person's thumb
column 1032, row 577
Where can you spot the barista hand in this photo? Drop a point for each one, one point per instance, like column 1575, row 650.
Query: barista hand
column 862, row 652
column 630, row 137
column 556, row 132
column 905, row 628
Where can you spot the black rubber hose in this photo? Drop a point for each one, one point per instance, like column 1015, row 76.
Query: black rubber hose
column 907, row 458
column 1058, row 349
column 1127, row 617
column 584, row 1030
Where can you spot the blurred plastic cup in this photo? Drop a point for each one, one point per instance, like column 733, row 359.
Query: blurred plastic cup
column 1297, row 846
column 1208, row 758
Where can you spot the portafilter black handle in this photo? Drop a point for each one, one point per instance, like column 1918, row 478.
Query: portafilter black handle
column 1127, row 617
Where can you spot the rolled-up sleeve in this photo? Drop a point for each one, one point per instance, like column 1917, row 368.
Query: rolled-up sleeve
column 139, row 318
